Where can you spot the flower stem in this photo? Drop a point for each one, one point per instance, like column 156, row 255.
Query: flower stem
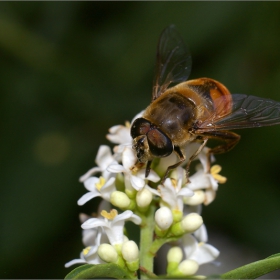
column 146, row 239
column 155, row 246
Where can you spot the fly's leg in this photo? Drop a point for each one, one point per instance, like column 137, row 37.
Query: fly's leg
column 148, row 168
column 181, row 159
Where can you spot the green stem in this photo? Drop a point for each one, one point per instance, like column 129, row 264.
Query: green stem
column 159, row 242
column 146, row 240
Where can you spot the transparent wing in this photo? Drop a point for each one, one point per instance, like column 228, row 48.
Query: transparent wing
column 247, row 111
column 173, row 61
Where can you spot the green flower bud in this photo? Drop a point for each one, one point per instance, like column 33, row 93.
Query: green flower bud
column 191, row 222
column 188, row 267
column 120, row 199
column 107, row 253
column 174, row 257
column 144, row 198
column 130, row 253
column 163, row 218
column 196, row 199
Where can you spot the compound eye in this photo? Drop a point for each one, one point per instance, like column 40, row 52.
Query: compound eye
column 160, row 144
column 140, row 127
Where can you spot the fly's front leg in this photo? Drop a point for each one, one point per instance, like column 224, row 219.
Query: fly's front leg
column 182, row 159
column 148, row 168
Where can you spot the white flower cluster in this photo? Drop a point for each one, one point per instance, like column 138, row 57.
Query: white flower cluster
column 121, row 182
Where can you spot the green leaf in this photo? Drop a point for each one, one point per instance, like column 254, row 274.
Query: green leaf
column 255, row 269
column 90, row 271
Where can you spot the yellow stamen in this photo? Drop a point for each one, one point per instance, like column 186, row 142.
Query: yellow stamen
column 86, row 250
column 174, row 182
column 110, row 216
column 127, row 124
column 215, row 169
column 136, row 167
column 100, row 183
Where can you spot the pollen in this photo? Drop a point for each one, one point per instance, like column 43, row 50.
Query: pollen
column 86, row 250
column 110, row 216
column 100, row 183
column 174, row 182
column 215, row 169
column 136, row 167
column 127, row 124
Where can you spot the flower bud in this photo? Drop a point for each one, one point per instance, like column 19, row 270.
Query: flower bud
column 130, row 253
column 144, row 198
column 175, row 254
column 163, row 218
column 196, row 199
column 107, row 253
column 174, row 257
column 120, row 199
column 188, row 267
column 191, row 222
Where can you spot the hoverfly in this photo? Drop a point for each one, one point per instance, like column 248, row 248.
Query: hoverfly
column 191, row 111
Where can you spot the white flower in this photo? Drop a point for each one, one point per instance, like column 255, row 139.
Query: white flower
column 103, row 159
column 120, row 134
column 113, row 224
column 89, row 254
column 98, row 187
column 133, row 177
column 172, row 191
column 202, row 156
column 207, row 181
column 90, row 236
column 198, row 252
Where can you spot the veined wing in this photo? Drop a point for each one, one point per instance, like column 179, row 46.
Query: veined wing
column 247, row 111
column 173, row 61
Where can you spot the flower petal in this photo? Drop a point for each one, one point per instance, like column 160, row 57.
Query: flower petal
column 75, row 261
column 189, row 245
column 201, row 234
column 185, row 192
column 88, row 196
column 137, row 183
column 90, row 184
column 104, row 157
column 205, row 253
column 119, row 134
column 128, row 158
column 89, row 173
column 94, row 222
column 153, row 191
column 116, row 168
column 153, row 176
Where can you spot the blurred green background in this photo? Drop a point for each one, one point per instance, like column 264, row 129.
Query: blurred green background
column 71, row 70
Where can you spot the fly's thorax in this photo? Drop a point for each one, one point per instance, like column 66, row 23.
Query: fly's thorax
column 174, row 113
